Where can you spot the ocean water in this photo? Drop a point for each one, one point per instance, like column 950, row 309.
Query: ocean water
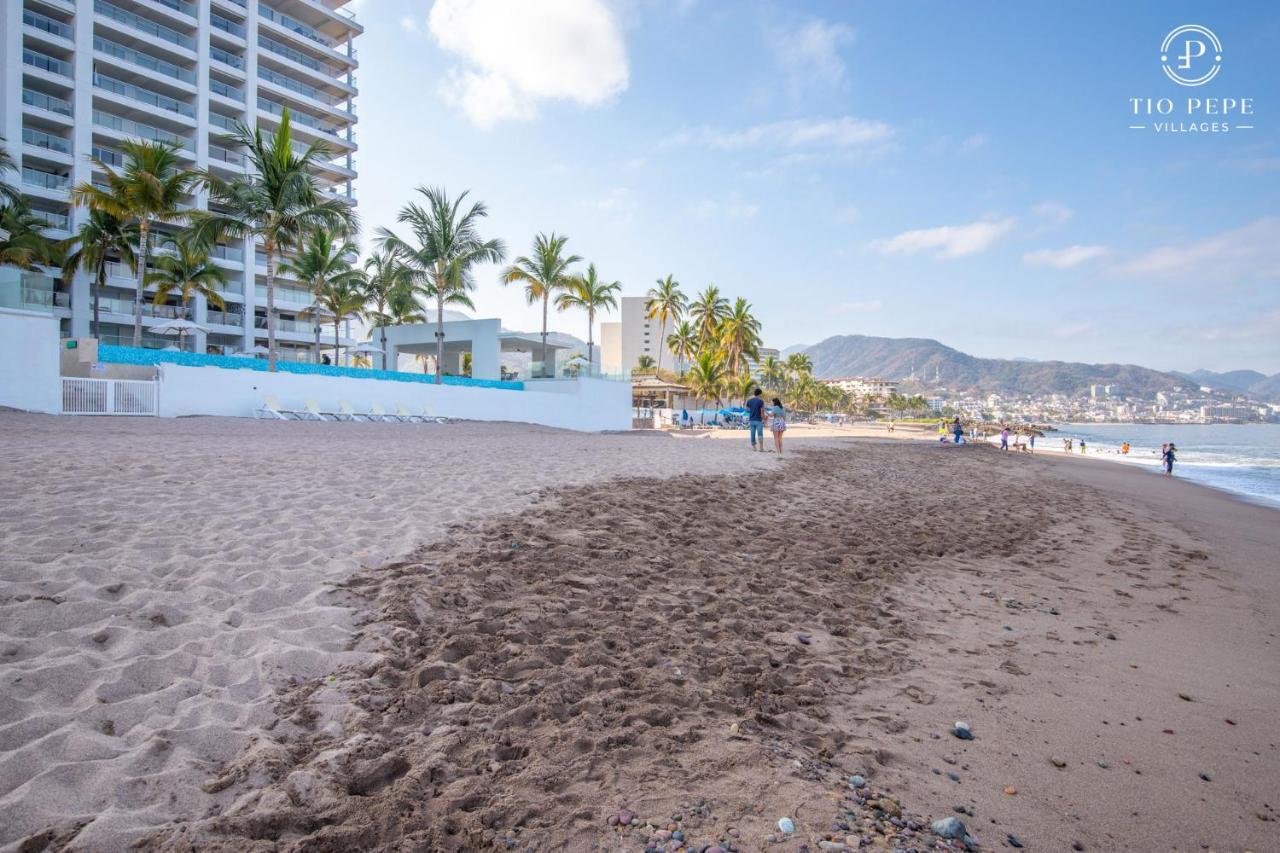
column 1239, row 458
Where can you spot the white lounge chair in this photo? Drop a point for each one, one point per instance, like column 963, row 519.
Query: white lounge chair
column 377, row 413
column 311, row 411
column 407, row 416
column 347, row 413
column 427, row 416
column 271, row 409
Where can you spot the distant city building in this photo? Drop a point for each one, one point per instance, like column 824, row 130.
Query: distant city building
column 1231, row 411
column 865, row 386
column 623, row 342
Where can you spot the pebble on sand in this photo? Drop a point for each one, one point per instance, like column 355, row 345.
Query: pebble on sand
column 1010, row 790
column 962, row 730
column 949, row 827
column 1057, row 762
column 786, row 825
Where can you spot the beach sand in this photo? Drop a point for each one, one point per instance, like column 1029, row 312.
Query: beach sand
column 237, row 635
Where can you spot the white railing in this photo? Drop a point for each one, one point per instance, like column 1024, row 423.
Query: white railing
column 108, row 397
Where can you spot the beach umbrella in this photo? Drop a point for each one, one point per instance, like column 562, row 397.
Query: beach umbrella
column 177, row 327
column 255, row 350
column 366, row 348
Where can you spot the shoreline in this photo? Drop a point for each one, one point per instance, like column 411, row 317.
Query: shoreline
column 933, row 587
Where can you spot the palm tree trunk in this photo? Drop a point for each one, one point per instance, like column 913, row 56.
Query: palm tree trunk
column 336, row 361
column 383, row 330
column 315, row 321
column 145, row 228
column 545, row 299
column 439, row 328
column 591, row 321
column 662, row 338
column 270, row 249
column 97, row 295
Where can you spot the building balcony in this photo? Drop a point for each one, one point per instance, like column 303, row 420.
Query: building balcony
column 147, row 97
column 131, row 60
column 124, row 128
column 344, row 136
column 43, row 28
column 53, row 67
column 144, row 28
column 295, row 31
column 47, row 143
column 228, row 30
column 226, row 60
column 48, row 105
column 299, row 60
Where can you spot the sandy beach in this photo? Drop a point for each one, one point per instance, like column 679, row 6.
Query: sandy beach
column 218, row 634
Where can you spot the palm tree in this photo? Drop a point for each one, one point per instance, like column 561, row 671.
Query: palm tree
column 150, row 189
column 544, row 273
column 99, row 237
column 186, row 271
column 591, row 295
column 386, row 279
column 9, row 194
column 644, row 362
column 278, row 202
column 706, row 377
column 683, row 342
column 666, row 304
column 25, row 245
column 798, row 365
column 448, row 246
column 322, row 260
column 773, row 373
column 341, row 298
column 740, row 336
column 708, row 312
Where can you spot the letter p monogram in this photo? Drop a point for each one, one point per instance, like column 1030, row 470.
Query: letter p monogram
column 1188, row 55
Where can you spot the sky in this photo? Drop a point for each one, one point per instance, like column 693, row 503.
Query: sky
column 967, row 172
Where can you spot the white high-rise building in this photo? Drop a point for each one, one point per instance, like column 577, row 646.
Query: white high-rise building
column 79, row 76
column 623, row 342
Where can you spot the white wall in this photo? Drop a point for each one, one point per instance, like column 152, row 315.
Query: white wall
column 589, row 405
column 29, row 361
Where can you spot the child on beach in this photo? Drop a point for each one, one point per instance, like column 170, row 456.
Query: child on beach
column 777, row 423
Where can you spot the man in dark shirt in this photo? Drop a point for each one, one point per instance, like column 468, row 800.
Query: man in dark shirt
column 755, row 419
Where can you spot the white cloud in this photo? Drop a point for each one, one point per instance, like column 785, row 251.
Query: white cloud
column 1071, row 256
column 1250, row 251
column 707, row 208
column 950, row 241
column 868, row 307
column 811, row 54
column 409, row 24
column 1053, row 212
column 974, row 142
column 843, row 132
column 516, row 54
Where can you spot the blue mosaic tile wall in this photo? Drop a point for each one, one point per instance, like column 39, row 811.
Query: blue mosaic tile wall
column 130, row 355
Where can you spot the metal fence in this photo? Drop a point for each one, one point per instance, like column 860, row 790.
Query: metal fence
column 108, row 397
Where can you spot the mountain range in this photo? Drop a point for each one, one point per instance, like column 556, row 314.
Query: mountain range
column 935, row 364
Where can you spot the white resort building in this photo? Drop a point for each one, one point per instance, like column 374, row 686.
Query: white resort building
column 623, row 342
column 79, row 76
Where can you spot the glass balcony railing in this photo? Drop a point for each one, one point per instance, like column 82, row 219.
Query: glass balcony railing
column 298, row 117
column 112, row 158
column 45, row 180
column 226, row 90
column 225, row 155
column 179, row 6
column 228, row 253
column 145, row 96
column 46, row 102
column 144, row 25
column 292, row 295
column 54, row 220
column 300, row 87
column 295, row 326
column 46, row 24
column 294, row 25
column 40, row 139
column 270, row 44
column 226, row 25
column 45, row 62
column 143, row 60
column 226, row 57
column 136, row 128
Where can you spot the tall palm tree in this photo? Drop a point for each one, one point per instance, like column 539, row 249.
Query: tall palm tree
column 683, row 342
column 544, row 273
column 706, row 377
column 323, row 259
column 186, row 271
column 708, row 312
column 799, row 365
column 591, row 295
column 740, row 336
column 644, row 362
column 341, row 298
column 149, row 189
column 26, row 245
column 448, row 246
column 387, row 283
column 99, row 238
column 277, row 202
column 773, row 373
column 666, row 304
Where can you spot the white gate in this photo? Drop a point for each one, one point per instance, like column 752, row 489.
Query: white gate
column 108, row 397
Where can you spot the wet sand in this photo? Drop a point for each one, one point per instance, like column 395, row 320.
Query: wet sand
column 566, row 632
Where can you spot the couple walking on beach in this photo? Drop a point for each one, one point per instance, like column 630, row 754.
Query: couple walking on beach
column 757, row 412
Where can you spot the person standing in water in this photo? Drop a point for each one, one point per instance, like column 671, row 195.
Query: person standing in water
column 777, row 424
column 1169, row 457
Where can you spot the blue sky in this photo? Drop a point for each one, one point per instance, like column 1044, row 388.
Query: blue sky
column 964, row 172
